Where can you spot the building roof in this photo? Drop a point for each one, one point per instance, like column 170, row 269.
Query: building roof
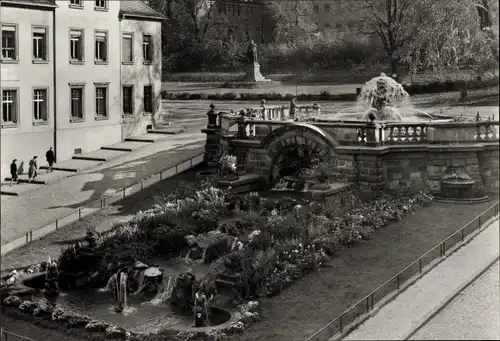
column 139, row 9
column 31, row 3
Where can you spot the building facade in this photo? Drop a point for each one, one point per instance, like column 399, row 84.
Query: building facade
column 63, row 72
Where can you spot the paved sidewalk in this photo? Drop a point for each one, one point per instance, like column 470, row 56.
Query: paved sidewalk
column 396, row 319
column 47, row 203
column 473, row 315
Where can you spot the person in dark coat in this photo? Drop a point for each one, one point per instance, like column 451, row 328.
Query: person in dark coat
column 50, row 159
column 293, row 107
column 33, row 169
column 13, row 171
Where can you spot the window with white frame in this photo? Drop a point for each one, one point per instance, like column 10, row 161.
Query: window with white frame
column 76, row 45
column 101, row 101
column 40, row 106
column 148, row 99
column 101, row 46
column 128, row 100
column 9, row 42
column 127, row 46
column 76, row 3
column 76, row 102
column 9, row 106
column 40, row 43
column 147, row 48
column 101, row 4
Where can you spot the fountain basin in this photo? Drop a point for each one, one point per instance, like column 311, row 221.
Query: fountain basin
column 139, row 316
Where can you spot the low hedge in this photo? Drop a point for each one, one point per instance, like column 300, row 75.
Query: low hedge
column 251, row 96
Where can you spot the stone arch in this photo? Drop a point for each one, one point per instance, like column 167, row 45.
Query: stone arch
column 293, row 146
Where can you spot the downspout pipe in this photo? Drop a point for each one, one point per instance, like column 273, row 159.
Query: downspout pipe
column 54, row 79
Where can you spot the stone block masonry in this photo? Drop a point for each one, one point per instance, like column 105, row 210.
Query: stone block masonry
column 374, row 169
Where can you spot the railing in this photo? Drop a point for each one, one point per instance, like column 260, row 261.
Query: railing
column 9, row 336
column 366, row 304
column 377, row 134
column 100, row 203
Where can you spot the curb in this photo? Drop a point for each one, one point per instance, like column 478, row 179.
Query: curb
column 412, row 280
column 449, row 298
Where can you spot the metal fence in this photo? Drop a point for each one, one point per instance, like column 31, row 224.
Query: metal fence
column 100, row 203
column 8, row 336
column 366, row 304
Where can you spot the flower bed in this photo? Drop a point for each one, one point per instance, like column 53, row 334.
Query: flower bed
column 274, row 242
column 44, row 313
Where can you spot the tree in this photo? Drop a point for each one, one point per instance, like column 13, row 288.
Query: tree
column 425, row 33
column 294, row 20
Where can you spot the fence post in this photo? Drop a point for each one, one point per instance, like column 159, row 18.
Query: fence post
column 462, row 232
column 397, row 278
column 340, row 321
column 420, row 265
column 27, row 238
column 124, row 192
column 367, row 305
column 57, row 224
column 31, row 236
column 444, row 248
column 479, row 223
column 161, row 175
column 79, row 214
column 142, row 185
column 371, row 298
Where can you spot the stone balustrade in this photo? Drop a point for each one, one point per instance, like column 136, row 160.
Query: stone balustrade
column 378, row 134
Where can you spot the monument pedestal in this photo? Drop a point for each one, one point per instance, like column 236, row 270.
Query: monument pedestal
column 254, row 75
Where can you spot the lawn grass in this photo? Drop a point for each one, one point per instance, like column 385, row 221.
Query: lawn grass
column 318, row 298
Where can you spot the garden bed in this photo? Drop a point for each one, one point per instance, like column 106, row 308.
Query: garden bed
column 289, row 238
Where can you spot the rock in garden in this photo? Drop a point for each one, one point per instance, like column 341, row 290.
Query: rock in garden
column 96, row 326
column 191, row 240
column 252, row 305
column 248, row 316
column 140, row 266
column 115, row 332
column 236, row 327
column 58, row 315
column 43, row 307
column 27, row 306
column 12, row 301
column 78, row 321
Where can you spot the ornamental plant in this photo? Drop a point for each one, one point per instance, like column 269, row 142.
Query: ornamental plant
column 227, row 164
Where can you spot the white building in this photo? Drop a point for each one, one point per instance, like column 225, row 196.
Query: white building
column 76, row 75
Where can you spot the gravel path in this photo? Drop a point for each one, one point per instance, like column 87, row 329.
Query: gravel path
column 473, row 315
column 400, row 316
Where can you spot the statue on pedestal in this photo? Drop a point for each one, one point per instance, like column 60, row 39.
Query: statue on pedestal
column 252, row 53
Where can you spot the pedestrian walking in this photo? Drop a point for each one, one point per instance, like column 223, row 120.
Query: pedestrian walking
column 13, row 172
column 50, row 159
column 293, row 106
column 33, row 169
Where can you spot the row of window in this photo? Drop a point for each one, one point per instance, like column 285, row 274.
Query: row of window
column 326, row 8
column 98, row 4
column 10, row 103
column 76, row 43
column 234, row 9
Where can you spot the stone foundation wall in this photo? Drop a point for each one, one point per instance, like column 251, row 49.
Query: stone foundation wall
column 489, row 169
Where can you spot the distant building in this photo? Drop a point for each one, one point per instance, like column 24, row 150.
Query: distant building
column 242, row 20
column 76, row 75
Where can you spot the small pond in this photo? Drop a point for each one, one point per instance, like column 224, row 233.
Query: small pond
column 140, row 316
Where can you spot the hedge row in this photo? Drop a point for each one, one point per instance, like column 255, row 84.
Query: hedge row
column 413, row 89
